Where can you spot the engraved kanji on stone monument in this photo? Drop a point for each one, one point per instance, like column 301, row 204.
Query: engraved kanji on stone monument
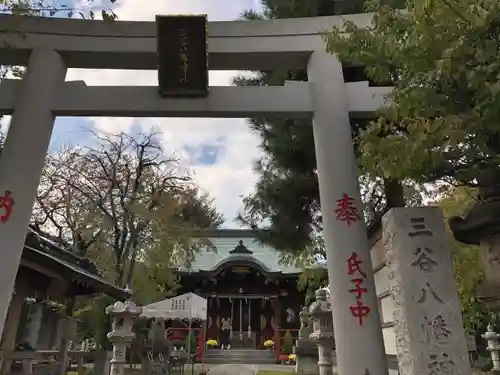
column 418, row 227
column 436, row 329
column 426, row 291
column 441, row 364
column 430, row 338
column 424, row 259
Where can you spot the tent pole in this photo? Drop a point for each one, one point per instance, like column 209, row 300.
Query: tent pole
column 189, row 329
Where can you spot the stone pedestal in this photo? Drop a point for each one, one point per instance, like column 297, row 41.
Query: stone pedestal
column 307, row 357
column 121, row 336
column 325, row 357
column 322, row 331
column 430, row 337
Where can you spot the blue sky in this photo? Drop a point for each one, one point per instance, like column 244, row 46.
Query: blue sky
column 218, row 152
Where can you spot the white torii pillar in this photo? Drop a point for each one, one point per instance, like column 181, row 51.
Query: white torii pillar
column 357, row 326
column 22, row 160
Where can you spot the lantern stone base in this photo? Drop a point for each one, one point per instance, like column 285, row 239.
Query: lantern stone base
column 325, row 363
column 307, row 357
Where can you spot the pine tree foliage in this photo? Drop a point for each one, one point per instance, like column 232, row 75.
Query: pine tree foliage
column 286, row 197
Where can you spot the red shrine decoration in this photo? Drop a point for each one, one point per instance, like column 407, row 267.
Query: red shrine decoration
column 6, row 203
column 346, row 210
column 359, row 310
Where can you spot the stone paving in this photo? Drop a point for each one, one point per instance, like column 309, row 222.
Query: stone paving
column 233, row 369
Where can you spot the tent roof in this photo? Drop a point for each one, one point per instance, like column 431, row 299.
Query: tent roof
column 186, row 306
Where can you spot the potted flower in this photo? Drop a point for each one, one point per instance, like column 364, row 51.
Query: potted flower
column 211, row 343
column 269, row 344
column 292, row 358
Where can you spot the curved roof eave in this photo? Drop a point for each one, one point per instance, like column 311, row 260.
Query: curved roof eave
column 241, row 260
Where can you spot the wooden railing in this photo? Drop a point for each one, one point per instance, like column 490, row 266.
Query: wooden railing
column 30, row 359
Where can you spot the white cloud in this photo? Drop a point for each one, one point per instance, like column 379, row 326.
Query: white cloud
column 231, row 177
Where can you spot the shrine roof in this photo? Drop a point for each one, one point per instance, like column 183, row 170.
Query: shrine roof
column 238, row 246
column 55, row 254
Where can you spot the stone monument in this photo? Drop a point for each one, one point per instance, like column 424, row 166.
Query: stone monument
column 121, row 335
column 430, row 338
column 320, row 312
column 305, row 349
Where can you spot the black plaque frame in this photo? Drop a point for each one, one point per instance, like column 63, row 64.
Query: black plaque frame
column 182, row 56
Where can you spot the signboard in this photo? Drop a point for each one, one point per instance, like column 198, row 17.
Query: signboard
column 182, row 56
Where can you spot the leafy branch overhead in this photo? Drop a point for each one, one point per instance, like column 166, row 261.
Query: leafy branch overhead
column 52, row 8
column 441, row 122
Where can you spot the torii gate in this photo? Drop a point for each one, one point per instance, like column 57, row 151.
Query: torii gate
column 48, row 47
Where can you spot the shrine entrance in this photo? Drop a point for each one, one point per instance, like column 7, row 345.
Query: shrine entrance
column 48, row 47
column 245, row 329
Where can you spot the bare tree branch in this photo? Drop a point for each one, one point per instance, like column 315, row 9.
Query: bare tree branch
column 122, row 196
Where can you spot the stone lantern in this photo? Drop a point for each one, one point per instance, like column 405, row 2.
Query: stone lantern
column 121, row 335
column 320, row 312
column 493, row 347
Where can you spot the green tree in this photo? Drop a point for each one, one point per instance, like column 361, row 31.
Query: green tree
column 467, row 261
column 287, row 345
column 441, row 122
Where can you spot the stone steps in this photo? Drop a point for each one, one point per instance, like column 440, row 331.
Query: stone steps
column 240, row 356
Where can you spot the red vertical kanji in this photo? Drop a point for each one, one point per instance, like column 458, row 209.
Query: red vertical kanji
column 346, row 210
column 354, row 265
column 358, row 289
column 360, row 311
column 7, row 204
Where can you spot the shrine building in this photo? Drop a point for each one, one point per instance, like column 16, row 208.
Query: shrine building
column 244, row 281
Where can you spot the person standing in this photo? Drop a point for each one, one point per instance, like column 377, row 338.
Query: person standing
column 226, row 333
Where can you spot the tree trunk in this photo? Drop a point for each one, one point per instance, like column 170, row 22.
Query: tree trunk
column 394, row 193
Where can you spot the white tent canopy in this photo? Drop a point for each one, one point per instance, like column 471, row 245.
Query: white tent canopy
column 187, row 306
